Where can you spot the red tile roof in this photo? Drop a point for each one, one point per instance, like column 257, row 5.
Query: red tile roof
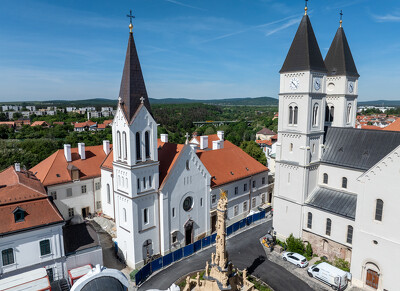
column 211, row 138
column 370, row 127
column 58, row 123
column 9, row 124
column 267, row 142
column 84, row 124
column 229, row 164
column 107, row 163
column 101, row 126
column 167, row 155
column 40, row 123
column 53, row 170
column 107, row 122
column 394, row 126
column 22, row 189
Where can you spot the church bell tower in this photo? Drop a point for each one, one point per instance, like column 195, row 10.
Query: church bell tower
column 300, row 128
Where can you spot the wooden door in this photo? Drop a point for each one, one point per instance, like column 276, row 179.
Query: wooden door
column 372, row 279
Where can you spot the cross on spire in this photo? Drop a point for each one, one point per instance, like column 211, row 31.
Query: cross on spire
column 305, row 8
column 130, row 19
column 142, row 99
column 341, row 14
column 187, row 138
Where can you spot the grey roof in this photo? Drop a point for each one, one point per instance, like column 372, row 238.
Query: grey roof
column 339, row 60
column 266, row 131
column 78, row 237
column 132, row 83
column 104, row 284
column 358, row 148
column 334, row 201
column 304, row 53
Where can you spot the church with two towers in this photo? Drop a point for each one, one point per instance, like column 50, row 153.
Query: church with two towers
column 335, row 184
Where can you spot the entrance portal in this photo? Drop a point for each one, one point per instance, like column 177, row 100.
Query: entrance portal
column 372, row 279
column 85, row 212
column 188, row 232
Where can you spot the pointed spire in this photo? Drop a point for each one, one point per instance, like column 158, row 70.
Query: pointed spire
column 133, row 88
column 304, row 53
column 339, row 60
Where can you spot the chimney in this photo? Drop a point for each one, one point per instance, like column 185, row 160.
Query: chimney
column 218, row 144
column 81, row 150
column 67, row 152
column 17, row 167
column 164, row 137
column 194, row 147
column 203, row 142
column 220, row 134
column 106, row 146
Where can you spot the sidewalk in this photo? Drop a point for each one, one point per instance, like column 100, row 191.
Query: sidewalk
column 301, row 273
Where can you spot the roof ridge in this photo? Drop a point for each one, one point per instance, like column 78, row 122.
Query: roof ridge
column 51, row 165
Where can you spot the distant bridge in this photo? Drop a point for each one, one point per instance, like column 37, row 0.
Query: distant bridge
column 219, row 123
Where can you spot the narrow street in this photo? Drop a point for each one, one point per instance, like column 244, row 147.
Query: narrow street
column 244, row 251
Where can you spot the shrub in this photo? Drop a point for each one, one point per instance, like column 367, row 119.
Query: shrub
column 132, row 274
column 295, row 245
column 342, row 264
column 309, row 251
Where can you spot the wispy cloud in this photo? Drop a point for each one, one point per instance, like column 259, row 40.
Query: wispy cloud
column 185, row 5
column 250, row 28
column 387, row 18
column 343, row 4
column 283, row 26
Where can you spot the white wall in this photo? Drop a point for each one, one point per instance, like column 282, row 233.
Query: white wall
column 380, row 182
column 107, row 206
column 26, row 249
column 92, row 256
column 78, row 200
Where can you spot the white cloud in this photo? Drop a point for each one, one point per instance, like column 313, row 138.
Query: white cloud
column 282, row 27
column 387, row 18
column 185, row 5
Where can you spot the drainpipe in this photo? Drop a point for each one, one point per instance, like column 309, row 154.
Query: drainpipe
column 94, row 197
column 250, row 187
column 159, row 223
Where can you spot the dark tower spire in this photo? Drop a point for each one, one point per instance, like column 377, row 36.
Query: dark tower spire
column 133, row 87
column 304, row 53
column 339, row 60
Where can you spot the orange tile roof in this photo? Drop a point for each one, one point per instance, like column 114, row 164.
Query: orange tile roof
column 58, row 123
column 267, row 142
column 53, row 170
column 40, row 123
column 167, row 155
column 101, row 126
column 107, row 163
column 83, row 124
column 211, row 138
column 9, row 124
column 22, row 189
column 229, row 164
column 394, row 126
column 370, row 127
column 107, row 122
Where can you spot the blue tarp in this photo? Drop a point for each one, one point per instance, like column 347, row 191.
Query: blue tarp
column 138, row 277
column 167, row 259
column 229, row 230
column 197, row 245
column 249, row 220
column 156, row 264
column 178, row 254
column 235, row 226
column 205, row 242
column 188, row 250
column 213, row 238
column 242, row 223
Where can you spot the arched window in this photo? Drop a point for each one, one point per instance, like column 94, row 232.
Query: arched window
column 325, row 178
column 328, row 226
column 138, row 149
column 344, row 182
column 309, row 220
column 349, row 234
column 295, row 114
column 315, row 115
column 119, row 144
column 349, row 113
column 108, row 194
column 331, row 113
column 291, row 147
column 290, row 115
column 124, row 212
column 147, row 144
column 379, row 210
column 125, row 145
column 327, row 113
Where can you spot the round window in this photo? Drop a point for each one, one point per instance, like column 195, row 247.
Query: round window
column 188, row 203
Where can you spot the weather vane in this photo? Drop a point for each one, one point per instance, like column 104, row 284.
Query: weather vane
column 306, row 8
column 130, row 17
column 341, row 14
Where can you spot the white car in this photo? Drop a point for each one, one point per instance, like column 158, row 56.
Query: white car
column 295, row 258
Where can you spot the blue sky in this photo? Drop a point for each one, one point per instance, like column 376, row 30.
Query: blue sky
column 188, row 48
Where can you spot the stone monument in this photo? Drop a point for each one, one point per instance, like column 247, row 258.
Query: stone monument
column 221, row 276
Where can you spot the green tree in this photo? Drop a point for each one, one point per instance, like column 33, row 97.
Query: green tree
column 295, row 245
column 252, row 149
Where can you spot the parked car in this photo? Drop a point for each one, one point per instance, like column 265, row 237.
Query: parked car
column 334, row 277
column 295, row 258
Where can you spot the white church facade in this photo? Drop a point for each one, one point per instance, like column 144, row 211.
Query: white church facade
column 335, row 185
column 162, row 195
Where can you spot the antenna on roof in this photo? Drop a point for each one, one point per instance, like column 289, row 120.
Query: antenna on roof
column 341, row 21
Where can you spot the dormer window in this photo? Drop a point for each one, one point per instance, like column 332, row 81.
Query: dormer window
column 19, row 214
